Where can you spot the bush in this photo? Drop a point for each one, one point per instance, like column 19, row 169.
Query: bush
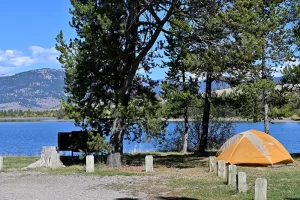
column 220, row 130
column 295, row 117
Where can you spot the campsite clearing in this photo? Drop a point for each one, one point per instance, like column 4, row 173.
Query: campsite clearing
column 175, row 175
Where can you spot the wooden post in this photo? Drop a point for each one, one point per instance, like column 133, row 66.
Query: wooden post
column 1, row 162
column 89, row 163
column 212, row 163
column 242, row 182
column 232, row 172
column 222, row 169
column 260, row 189
column 149, row 163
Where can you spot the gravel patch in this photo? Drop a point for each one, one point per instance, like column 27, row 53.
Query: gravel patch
column 27, row 185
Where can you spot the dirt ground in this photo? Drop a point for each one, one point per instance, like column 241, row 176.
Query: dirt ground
column 28, row 185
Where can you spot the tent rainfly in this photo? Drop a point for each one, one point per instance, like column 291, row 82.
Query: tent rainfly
column 254, row 147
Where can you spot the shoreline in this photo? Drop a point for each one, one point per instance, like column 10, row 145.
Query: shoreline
column 53, row 119
column 284, row 120
column 34, row 119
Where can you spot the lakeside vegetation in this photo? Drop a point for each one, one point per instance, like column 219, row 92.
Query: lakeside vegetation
column 58, row 114
column 286, row 111
column 185, row 175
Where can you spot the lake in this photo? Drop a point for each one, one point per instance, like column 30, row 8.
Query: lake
column 27, row 138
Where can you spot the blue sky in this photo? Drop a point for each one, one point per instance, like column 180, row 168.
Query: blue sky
column 28, row 31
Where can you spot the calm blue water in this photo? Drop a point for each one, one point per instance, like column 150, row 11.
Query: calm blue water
column 27, row 138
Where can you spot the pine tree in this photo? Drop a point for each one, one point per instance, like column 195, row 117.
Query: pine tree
column 113, row 41
column 217, row 52
column 180, row 89
column 268, row 23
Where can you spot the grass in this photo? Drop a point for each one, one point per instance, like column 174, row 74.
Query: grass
column 100, row 170
column 17, row 162
column 187, row 176
column 283, row 183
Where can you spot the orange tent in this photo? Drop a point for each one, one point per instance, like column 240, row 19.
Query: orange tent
column 254, row 147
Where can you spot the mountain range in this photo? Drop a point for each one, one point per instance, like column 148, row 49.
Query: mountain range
column 36, row 90
column 42, row 89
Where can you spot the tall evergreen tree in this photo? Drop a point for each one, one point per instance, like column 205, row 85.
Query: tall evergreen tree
column 180, row 90
column 113, row 41
column 216, row 52
column 208, row 45
column 269, row 23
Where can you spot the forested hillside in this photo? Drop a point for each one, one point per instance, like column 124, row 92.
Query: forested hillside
column 39, row 89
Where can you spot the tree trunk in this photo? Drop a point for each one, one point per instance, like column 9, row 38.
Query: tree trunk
column 116, row 143
column 265, row 95
column 186, row 118
column 124, row 84
column 266, row 119
column 206, row 112
column 132, row 61
column 185, row 134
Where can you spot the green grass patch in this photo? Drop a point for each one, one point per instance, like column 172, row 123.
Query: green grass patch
column 17, row 162
column 100, row 170
column 283, row 183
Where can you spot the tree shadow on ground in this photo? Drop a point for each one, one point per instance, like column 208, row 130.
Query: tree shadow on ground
column 171, row 160
column 68, row 160
column 76, row 160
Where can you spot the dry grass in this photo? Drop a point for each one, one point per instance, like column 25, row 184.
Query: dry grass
column 182, row 176
column 188, row 177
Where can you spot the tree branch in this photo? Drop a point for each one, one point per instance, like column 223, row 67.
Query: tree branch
column 157, row 19
column 133, row 68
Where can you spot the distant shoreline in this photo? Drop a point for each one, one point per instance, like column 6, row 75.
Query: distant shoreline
column 54, row 119
column 284, row 120
column 34, row 119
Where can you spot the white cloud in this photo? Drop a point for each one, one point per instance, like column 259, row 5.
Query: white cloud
column 21, row 61
column 10, row 60
column 44, row 55
column 8, row 54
